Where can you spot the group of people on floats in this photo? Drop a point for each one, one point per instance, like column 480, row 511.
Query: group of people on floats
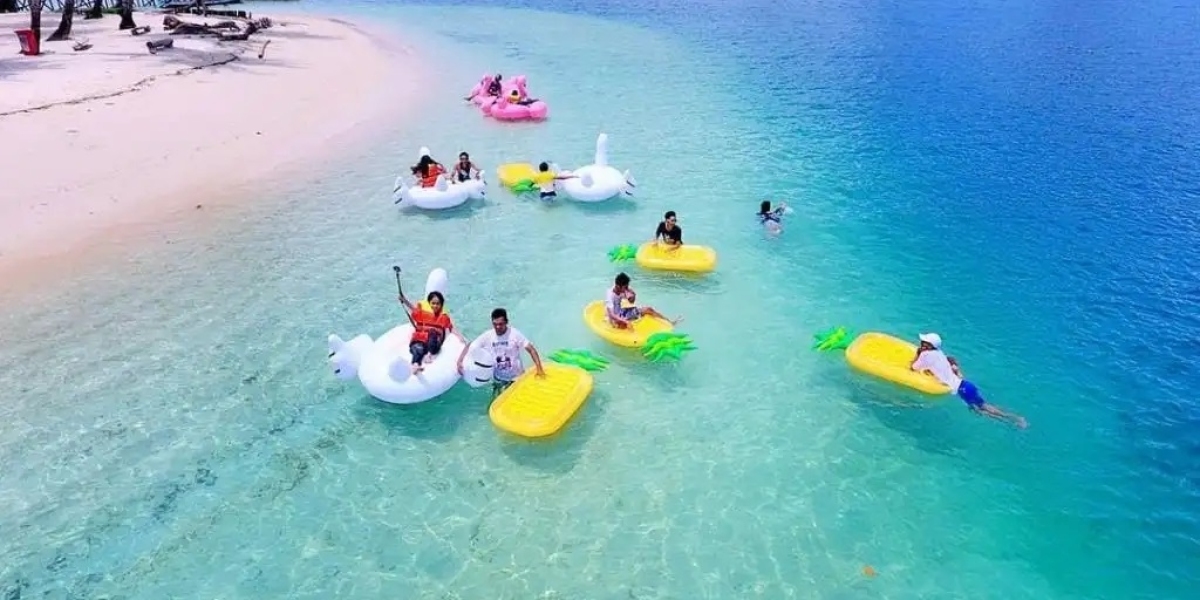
column 431, row 324
column 496, row 86
column 427, row 170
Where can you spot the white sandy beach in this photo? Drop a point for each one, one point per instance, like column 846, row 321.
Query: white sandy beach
column 114, row 136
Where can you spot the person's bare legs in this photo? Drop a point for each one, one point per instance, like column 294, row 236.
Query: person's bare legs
column 649, row 311
column 990, row 410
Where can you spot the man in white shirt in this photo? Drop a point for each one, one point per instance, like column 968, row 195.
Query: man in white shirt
column 505, row 343
column 621, row 316
column 932, row 360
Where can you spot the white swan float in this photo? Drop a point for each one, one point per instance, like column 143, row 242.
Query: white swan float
column 384, row 366
column 446, row 193
column 598, row 181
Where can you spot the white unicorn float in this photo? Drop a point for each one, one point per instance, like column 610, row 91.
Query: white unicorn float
column 598, row 181
column 446, row 193
column 384, row 366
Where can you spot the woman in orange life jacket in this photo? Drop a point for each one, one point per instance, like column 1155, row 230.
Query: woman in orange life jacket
column 427, row 170
column 431, row 325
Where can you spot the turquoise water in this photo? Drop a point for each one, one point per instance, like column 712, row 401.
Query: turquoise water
column 174, row 432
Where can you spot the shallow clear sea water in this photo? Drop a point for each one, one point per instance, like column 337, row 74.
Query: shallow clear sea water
column 1021, row 177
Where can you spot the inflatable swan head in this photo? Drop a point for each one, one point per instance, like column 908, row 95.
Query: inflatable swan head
column 601, row 150
column 344, row 357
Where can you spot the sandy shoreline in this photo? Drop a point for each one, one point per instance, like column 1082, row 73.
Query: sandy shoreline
column 115, row 137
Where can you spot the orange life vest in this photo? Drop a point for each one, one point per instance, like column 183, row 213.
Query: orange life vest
column 430, row 180
column 426, row 322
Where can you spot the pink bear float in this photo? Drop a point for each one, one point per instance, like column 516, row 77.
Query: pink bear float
column 513, row 104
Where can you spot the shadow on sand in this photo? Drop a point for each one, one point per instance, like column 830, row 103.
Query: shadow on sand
column 14, row 66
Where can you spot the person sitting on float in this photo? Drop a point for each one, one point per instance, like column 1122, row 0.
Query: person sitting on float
column 431, row 325
column 427, row 171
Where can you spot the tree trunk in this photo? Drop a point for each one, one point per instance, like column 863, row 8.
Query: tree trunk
column 127, row 15
column 35, row 19
column 97, row 11
column 203, row 6
column 64, row 26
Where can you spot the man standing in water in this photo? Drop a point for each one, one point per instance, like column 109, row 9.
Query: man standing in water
column 505, row 344
column 932, row 360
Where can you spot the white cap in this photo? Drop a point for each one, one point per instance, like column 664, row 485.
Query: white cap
column 932, row 339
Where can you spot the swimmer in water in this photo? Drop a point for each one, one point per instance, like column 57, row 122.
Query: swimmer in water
column 771, row 219
column 932, row 360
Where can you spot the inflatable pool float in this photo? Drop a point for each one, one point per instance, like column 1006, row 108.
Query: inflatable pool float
column 890, row 358
column 384, row 366
column 514, row 103
column 598, row 181
column 596, row 319
column 513, row 174
column 478, row 95
column 446, row 193
column 535, row 406
column 686, row 258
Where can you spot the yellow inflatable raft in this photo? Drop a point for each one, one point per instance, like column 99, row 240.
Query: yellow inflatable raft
column 686, row 258
column 512, row 173
column 595, row 317
column 890, row 358
column 535, row 407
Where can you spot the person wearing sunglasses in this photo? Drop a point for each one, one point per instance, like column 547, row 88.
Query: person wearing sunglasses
column 465, row 170
column 668, row 232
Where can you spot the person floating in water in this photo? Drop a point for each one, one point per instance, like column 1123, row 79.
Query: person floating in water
column 771, row 219
column 932, row 360
column 668, row 232
column 621, row 315
column 545, row 179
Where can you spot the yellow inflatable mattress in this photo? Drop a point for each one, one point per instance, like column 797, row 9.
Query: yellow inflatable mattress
column 686, row 258
column 595, row 318
column 535, row 407
column 890, row 358
column 512, row 173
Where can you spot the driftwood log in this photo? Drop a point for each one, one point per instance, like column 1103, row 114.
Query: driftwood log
column 230, row 30
column 154, row 46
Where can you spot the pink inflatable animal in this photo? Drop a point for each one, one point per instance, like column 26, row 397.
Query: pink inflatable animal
column 479, row 95
column 514, row 103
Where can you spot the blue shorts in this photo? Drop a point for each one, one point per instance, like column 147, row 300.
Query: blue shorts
column 970, row 394
column 631, row 313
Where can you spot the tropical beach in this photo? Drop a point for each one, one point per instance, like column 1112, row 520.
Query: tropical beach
column 200, row 126
column 1015, row 178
